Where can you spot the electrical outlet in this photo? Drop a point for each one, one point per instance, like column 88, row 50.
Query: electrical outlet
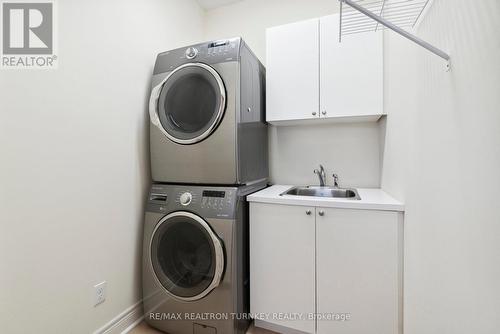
column 99, row 293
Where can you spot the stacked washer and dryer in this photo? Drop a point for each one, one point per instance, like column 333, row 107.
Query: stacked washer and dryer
column 208, row 142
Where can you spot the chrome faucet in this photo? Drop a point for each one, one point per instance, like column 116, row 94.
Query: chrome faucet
column 321, row 175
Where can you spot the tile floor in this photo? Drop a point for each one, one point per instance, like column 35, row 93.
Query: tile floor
column 143, row 328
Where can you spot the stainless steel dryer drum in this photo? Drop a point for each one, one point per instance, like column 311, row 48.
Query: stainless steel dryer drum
column 195, row 259
column 207, row 112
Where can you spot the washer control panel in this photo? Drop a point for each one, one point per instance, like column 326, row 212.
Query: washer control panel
column 208, row 202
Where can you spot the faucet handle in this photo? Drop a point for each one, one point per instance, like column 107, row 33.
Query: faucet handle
column 335, row 180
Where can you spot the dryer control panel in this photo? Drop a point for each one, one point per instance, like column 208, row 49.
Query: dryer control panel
column 214, row 52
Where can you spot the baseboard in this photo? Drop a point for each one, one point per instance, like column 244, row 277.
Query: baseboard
column 276, row 328
column 133, row 325
column 123, row 322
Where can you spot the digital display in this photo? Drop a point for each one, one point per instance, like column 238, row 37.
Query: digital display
column 214, row 193
column 218, row 43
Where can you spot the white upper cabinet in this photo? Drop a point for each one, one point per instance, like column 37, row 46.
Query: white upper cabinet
column 351, row 72
column 292, row 84
column 310, row 75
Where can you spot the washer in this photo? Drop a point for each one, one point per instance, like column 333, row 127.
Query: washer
column 195, row 259
column 207, row 112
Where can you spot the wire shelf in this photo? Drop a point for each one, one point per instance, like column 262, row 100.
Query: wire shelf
column 402, row 13
column 371, row 15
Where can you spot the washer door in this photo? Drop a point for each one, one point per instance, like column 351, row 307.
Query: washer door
column 188, row 105
column 186, row 256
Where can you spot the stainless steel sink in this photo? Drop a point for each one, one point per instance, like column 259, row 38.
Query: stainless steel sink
column 315, row 191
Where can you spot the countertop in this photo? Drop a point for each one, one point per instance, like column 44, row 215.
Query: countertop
column 371, row 199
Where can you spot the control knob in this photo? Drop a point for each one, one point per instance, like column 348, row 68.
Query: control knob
column 186, row 198
column 191, row 53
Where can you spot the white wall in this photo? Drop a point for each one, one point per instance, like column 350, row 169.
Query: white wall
column 250, row 19
column 442, row 156
column 351, row 150
column 74, row 164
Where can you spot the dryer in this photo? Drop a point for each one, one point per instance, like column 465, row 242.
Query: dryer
column 195, row 259
column 207, row 112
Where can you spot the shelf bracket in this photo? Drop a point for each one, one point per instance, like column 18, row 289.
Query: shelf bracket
column 396, row 29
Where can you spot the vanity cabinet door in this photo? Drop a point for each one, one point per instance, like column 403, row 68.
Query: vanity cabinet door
column 358, row 270
column 292, row 76
column 282, row 265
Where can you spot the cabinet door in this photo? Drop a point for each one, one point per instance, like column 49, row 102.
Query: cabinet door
column 292, row 75
column 358, row 270
column 282, row 264
column 351, row 72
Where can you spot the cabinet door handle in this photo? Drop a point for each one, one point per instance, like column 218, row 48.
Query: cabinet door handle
column 321, row 213
column 308, row 212
column 323, row 112
column 314, row 113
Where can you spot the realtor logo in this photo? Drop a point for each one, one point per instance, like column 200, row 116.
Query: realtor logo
column 28, row 35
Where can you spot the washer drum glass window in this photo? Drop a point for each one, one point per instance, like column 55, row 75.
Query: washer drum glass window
column 186, row 256
column 189, row 104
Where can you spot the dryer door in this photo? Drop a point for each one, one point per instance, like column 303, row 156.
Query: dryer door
column 186, row 256
column 188, row 105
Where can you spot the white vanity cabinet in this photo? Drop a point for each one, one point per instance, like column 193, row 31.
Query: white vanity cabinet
column 282, row 256
column 310, row 75
column 358, row 270
column 342, row 264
